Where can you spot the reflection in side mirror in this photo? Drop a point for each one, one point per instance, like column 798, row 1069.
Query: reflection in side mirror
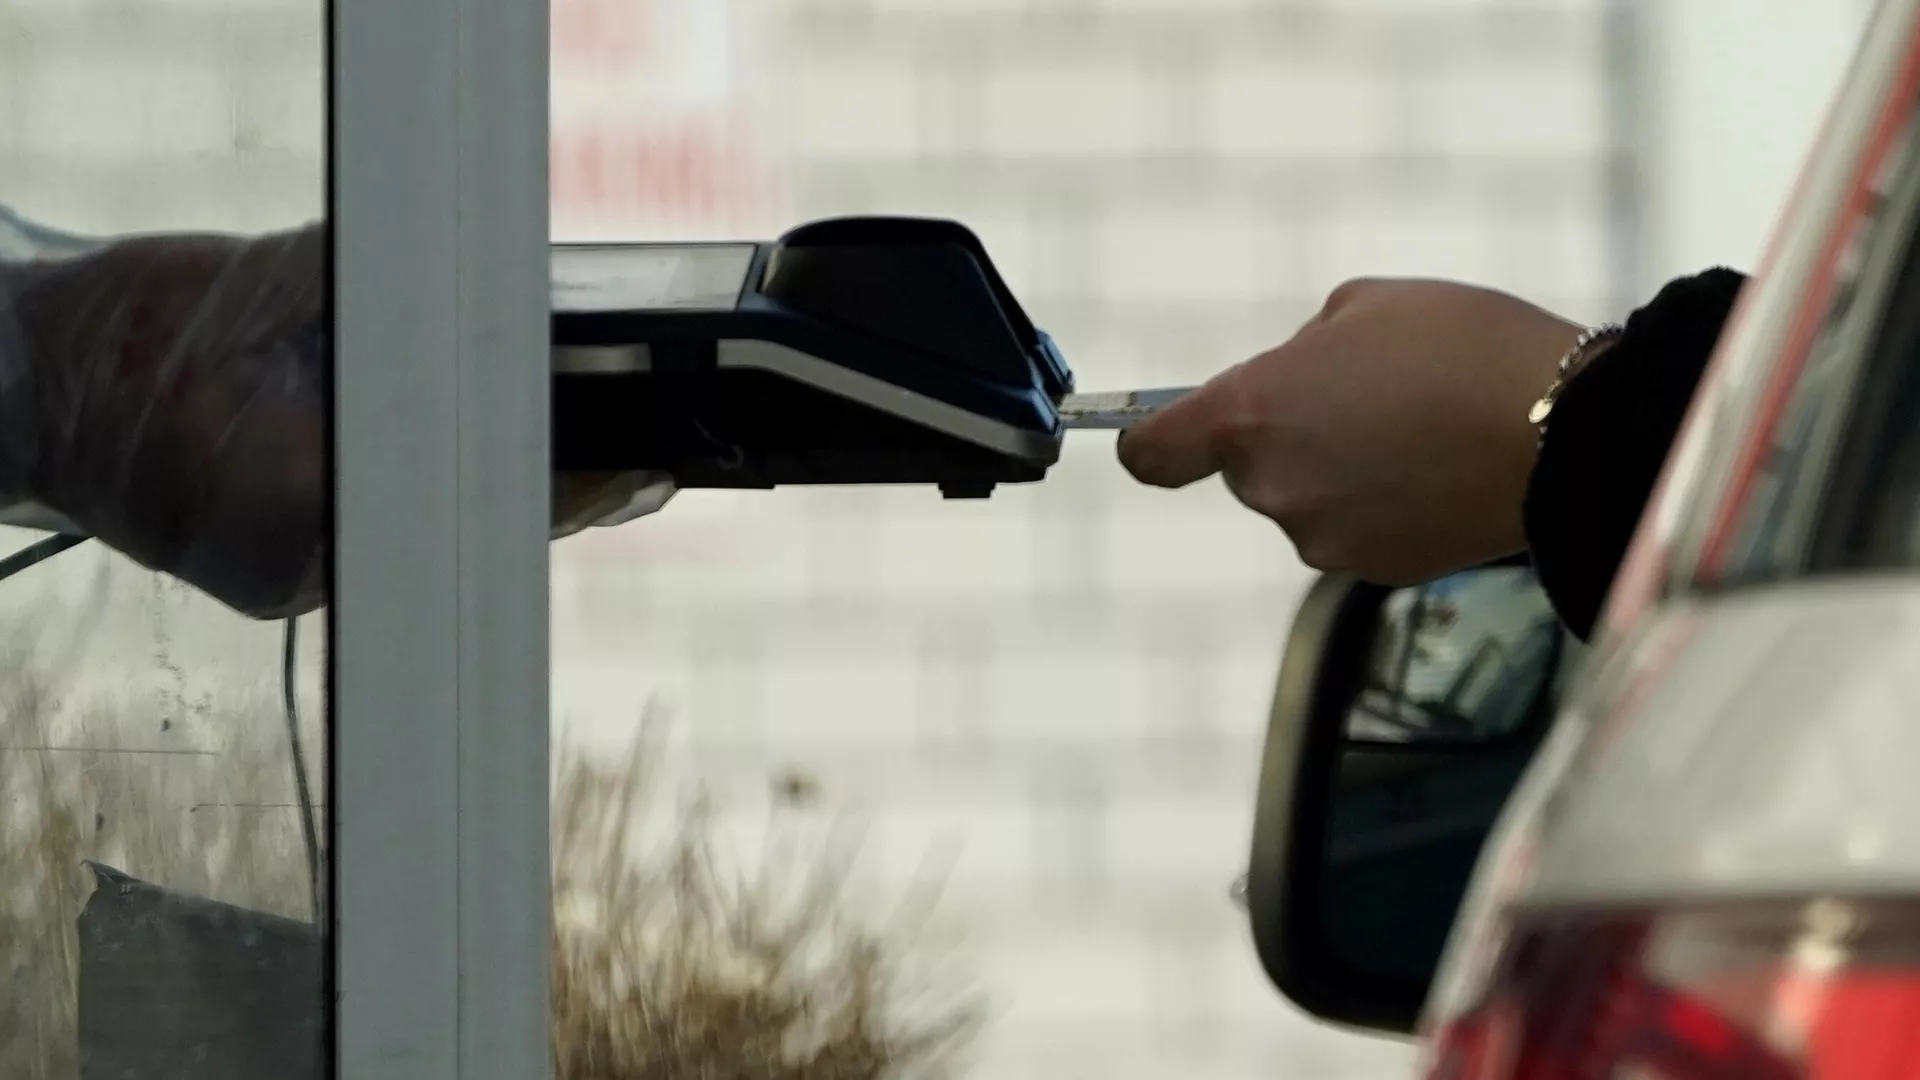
column 1462, row 660
column 1402, row 721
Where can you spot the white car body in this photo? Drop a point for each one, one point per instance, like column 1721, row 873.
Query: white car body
column 1747, row 731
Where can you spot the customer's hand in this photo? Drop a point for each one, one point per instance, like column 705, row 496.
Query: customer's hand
column 1389, row 438
column 176, row 390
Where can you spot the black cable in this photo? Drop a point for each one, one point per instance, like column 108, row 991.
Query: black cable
column 42, row 550
column 308, row 829
column 38, row 552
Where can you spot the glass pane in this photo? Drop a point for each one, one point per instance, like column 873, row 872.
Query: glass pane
column 163, row 377
column 1042, row 709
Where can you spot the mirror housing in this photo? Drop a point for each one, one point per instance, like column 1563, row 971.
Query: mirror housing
column 1402, row 720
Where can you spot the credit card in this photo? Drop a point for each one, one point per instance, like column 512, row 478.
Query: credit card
column 1116, row 410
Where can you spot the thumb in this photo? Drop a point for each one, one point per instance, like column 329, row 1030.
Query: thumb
column 1187, row 441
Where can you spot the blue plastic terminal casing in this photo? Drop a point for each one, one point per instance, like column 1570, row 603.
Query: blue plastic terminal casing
column 865, row 350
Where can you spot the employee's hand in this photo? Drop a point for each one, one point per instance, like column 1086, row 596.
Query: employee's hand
column 1389, row 438
column 176, row 388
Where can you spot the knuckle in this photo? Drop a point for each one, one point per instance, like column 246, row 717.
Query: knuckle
column 1347, row 292
column 1265, row 495
column 1239, row 421
column 1320, row 555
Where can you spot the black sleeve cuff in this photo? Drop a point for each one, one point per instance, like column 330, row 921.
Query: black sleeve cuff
column 1608, row 439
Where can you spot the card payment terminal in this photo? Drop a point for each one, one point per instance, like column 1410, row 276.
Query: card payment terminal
column 865, row 350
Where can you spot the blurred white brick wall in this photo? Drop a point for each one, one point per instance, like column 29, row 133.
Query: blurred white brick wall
column 1064, row 687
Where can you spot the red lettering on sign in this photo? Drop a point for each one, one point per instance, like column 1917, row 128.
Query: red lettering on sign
column 600, row 32
column 683, row 171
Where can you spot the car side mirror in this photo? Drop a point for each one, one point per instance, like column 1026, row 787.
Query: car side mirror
column 1401, row 722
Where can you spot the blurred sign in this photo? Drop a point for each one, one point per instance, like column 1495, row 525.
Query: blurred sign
column 654, row 134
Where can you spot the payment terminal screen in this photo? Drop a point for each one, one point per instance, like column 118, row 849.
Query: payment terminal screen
column 643, row 277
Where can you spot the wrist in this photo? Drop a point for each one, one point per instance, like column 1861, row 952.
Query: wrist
column 1587, row 347
column 1541, row 355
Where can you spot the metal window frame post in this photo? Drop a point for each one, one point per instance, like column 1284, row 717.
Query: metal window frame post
column 439, row 625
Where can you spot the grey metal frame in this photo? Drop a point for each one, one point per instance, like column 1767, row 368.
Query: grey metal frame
column 439, row 643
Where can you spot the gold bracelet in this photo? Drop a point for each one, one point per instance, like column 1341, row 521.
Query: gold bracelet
column 1569, row 365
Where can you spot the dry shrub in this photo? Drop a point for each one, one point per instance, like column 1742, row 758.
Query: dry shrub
column 666, row 964
column 667, row 967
